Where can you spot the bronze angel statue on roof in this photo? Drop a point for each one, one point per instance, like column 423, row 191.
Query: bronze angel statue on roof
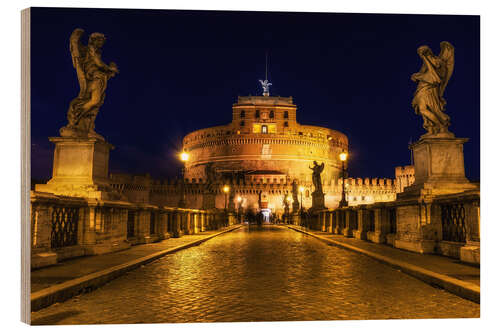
column 432, row 79
column 93, row 75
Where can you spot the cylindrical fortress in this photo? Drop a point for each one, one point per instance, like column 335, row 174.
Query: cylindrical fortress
column 264, row 139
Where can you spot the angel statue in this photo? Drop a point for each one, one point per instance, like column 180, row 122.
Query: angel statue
column 432, row 79
column 316, row 176
column 93, row 75
column 265, row 86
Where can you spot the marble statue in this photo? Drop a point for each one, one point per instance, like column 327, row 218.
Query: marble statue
column 93, row 75
column 316, row 176
column 432, row 79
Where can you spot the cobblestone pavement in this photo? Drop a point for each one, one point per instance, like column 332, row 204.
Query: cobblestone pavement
column 259, row 274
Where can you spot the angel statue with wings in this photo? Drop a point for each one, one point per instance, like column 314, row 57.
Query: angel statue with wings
column 265, row 86
column 316, row 176
column 432, row 79
column 93, row 75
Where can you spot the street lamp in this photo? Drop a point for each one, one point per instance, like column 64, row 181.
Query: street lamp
column 289, row 199
column 226, row 191
column 240, row 202
column 287, row 207
column 343, row 158
column 184, row 157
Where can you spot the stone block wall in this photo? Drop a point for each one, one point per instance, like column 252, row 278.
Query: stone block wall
column 447, row 225
column 63, row 227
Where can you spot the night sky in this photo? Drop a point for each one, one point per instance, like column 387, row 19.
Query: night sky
column 182, row 70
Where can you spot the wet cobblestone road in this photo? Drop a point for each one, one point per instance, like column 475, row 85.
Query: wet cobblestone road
column 259, row 274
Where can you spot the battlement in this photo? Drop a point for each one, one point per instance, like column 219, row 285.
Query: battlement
column 404, row 170
column 145, row 182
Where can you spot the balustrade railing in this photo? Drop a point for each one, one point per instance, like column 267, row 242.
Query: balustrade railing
column 354, row 220
column 130, row 224
column 64, row 226
column 393, row 226
column 342, row 219
column 371, row 221
column 453, row 222
column 89, row 226
column 152, row 223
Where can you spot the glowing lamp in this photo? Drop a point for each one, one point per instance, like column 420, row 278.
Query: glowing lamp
column 343, row 156
column 184, row 156
column 225, row 188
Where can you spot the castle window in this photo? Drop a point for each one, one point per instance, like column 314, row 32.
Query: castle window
column 257, row 114
column 286, row 114
column 242, row 114
column 264, row 129
column 242, row 123
column 286, row 123
column 271, row 114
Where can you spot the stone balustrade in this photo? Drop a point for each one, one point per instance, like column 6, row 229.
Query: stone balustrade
column 447, row 224
column 63, row 227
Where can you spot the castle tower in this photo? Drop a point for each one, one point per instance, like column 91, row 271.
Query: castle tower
column 264, row 140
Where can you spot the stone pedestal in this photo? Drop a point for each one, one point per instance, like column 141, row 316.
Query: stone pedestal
column 208, row 200
column 80, row 169
column 231, row 218
column 471, row 253
column 318, row 201
column 439, row 167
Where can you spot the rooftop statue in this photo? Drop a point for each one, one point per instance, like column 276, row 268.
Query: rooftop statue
column 432, row 79
column 265, row 87
column 316, row 176
column 93, row 75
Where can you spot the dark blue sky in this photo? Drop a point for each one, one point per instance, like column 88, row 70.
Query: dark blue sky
column 182, row 70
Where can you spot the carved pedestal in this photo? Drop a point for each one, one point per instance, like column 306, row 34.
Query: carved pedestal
column 80, row 168
column 439, row 167
column 208, row 200
column 318, row 201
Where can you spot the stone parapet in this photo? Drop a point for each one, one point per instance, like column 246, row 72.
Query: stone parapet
column 63, row 227
column 446, row 224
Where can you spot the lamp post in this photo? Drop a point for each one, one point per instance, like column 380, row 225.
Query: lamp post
column 240, row 200
column 184, row 157
column 287, row 213
column 226, row 191
column 343, row 202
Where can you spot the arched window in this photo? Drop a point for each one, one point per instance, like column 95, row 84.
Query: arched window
column 242, row 123
column 242, row 114
column 257, row 113
column 286, row 123
column 271, row 114
column 286, row 114
column 264, row 129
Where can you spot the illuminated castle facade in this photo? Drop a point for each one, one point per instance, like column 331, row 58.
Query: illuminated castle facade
column 264, row 140
column 258, row 156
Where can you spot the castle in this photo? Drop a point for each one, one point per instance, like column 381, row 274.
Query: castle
column 258, row 156
column 264, row 140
